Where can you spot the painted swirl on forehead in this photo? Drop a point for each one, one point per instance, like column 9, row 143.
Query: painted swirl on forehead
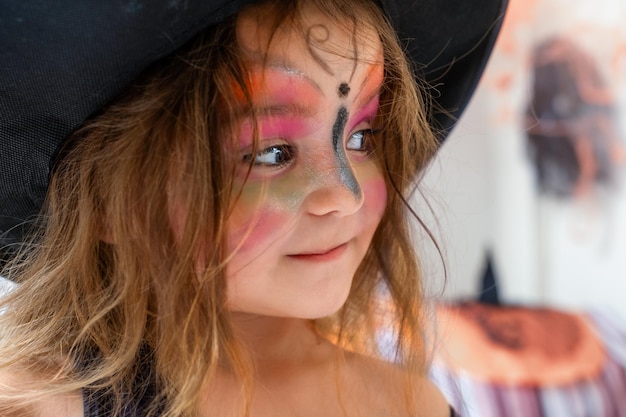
column 355, row 49
column 316, row 36
column 345, row 172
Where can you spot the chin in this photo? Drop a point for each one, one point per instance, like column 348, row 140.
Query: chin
column 322, row 307
column 312, row 295
column 307, row 306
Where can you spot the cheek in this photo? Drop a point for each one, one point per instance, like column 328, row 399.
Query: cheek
column 255, row 232
column 374, row 190
column 262, row 215
column 375, row 195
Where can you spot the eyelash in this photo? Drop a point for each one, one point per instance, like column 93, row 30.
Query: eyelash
column 366, row 137
column 286, row 153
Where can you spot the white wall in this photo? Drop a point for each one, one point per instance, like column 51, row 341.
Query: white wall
column 481, row 185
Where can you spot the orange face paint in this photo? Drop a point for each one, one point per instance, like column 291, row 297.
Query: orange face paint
column 370, row 87
column 281, row 84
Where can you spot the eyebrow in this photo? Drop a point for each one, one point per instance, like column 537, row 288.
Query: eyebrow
column 358, row 101
column 295, row 73
column 298, row 110
column 279, row 64
column 276, row 110
column 362, row 101
column 290, row 109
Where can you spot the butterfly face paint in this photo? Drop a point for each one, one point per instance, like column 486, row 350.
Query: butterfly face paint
column 345, row 171
column 312, row 193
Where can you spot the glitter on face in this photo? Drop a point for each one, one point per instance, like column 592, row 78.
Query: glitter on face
column 345, row 172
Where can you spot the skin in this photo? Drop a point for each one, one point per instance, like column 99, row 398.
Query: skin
column 329, row 195
column 300, row 229
column 318, row 92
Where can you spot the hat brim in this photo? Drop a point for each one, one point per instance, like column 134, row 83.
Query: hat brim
column 60, row 62
column 449, row 41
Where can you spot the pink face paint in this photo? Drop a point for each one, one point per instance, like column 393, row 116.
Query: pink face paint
column 366, row 113
column 265, row 210
column 282, row 85
column 375, row 192
column 370, row 86
column 258, row 231
column 286, row 103
column 275, row 128
column 283, row 101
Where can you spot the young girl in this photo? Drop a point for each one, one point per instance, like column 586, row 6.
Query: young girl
column 215, row 239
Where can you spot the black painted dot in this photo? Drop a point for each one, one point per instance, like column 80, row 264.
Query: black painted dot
column 344, row 89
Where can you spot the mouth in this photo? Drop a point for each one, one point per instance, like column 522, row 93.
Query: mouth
column 321, row 256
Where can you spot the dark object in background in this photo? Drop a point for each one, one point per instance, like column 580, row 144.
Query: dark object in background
column 570, row 124
column 489, row 285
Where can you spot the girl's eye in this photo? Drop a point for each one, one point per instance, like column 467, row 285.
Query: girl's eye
column 272, row 156
column 360, row 141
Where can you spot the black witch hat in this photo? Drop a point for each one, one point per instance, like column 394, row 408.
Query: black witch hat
column 62, row 61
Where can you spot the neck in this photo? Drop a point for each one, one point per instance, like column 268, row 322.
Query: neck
column 277, row 339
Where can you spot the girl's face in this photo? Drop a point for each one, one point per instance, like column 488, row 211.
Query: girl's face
column 315, row 194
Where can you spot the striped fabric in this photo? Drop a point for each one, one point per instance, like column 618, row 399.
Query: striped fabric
column 602, row 396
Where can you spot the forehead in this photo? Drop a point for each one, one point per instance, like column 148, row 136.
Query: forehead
column 310, row 42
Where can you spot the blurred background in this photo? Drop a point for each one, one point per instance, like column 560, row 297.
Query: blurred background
column 533, row 177
column 526, row 201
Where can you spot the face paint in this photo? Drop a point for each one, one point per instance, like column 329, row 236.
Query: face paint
column 288, row 213
column 264, row 208
column 344, row 90
column 316, row 36
column 370, row 86
column 366, row 113
column 278, row 85
column 274, row 128
column 256, row 231
column 345, row 172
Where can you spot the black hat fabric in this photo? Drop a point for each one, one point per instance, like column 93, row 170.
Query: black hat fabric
column 60, row 62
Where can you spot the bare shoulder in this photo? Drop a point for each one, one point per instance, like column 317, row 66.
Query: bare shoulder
column 387, row 380
column 65, row 405
column 435, row 404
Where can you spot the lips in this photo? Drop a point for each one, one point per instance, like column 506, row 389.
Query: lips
column 321, row 256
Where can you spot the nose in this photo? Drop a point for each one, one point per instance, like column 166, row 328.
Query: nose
column 334, row 191
column 335, row 186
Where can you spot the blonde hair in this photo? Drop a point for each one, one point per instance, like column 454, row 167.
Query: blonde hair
column 107, row 286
